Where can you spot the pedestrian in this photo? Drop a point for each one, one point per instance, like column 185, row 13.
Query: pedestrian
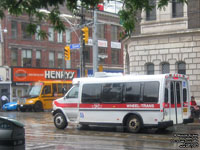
column 195, row 109
column 4, row 100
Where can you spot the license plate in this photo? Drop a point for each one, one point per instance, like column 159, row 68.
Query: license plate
column 185, row 109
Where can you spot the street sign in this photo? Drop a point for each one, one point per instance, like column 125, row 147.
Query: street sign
column 74, row 46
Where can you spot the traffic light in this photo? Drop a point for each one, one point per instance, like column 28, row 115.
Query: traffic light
column 67, row 53
column 85, row 34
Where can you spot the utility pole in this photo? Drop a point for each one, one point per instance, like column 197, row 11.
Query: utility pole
column 82, row 69
column 95, row 43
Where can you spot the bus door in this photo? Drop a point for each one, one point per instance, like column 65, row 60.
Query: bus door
column 176, row 102
column 71, row 103
column 46, row 96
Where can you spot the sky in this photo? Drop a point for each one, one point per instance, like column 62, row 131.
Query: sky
column 112, row 6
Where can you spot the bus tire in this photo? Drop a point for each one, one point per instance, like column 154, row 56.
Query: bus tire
column 38, row 107
column 22, row 109
column 60, row 121
column 133, row 124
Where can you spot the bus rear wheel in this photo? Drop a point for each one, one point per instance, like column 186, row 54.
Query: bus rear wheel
column 133, row 124
column 60, row 121
column 38, row 107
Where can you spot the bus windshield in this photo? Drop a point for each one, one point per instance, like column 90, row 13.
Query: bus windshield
column 35, row 90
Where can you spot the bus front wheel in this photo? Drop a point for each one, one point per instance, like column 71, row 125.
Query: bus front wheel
column 133, row 124
column 60, row 121
column 38, row 107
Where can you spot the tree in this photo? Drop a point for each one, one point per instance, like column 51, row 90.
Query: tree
column 32, row 9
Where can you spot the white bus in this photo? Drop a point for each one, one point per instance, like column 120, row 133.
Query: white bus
column 132, row 101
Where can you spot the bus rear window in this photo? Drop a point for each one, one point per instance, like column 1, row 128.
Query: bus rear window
column 184, row 95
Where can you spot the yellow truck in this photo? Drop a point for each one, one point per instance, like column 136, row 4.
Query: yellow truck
column 41, row 95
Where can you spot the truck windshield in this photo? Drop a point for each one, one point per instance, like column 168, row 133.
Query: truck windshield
column 73, row 92
column 35, row 90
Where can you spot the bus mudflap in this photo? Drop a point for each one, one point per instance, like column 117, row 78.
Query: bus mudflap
column 165, row 124
column 189, row 120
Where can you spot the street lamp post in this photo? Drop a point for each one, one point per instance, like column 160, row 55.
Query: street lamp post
column 2, row 50
column 95, row 44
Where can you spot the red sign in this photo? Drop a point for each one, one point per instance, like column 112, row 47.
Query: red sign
column 37, row 74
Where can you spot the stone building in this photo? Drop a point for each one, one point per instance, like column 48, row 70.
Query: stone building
column 167, row 41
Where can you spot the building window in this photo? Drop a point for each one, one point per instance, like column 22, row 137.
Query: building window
column 37, row 37
column 51, row 34
column 51, row 59
column 101, row 31
column 181, row 68
column 165, row 68
column 86, row 54
column 14, row 57
column 60, row 60
column 60, row 37
column 102, row 52
column 14, row 29
column 68, row 36
column 151, row 14
column 25, row 34
column 114, row 33
column 38, row 58
column 26, row 58
column 150, row 68
column 115, row 53
column 177, row 9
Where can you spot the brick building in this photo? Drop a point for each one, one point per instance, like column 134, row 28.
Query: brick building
column 19, row 49
column 167, row 41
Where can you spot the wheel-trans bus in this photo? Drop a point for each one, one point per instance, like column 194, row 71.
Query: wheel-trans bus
column 131, row 101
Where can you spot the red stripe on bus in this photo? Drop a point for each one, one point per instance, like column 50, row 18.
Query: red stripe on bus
column 130, row 105
column 167, row 105
column 68, row 105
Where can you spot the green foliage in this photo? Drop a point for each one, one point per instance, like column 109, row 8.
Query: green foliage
column 128, row 15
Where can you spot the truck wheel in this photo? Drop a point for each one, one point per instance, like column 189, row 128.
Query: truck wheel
column 60, row 121
column 38, row 107
column 133, row 124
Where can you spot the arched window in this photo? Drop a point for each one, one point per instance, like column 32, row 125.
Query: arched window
column 165, row 67
column 181, row 68
column 150, row 68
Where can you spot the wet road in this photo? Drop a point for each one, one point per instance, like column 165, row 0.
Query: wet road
column 41, row 134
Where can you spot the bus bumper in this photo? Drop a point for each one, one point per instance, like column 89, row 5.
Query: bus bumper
column 189, row 120
column 24, row 107
column 165, row 124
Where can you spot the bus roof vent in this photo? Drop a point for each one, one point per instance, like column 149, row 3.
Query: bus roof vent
column 106, row 74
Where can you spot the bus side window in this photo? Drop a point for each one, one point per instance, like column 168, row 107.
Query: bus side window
column 46, row 90
column 55, row 92
column 132, row 92
column 151, row 92
column 59, row 88
column 184, row 95
column 166, row 95
column 91, row 93
column 172, row 93
column 112, row 93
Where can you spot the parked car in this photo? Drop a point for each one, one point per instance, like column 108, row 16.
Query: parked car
column 10, row 106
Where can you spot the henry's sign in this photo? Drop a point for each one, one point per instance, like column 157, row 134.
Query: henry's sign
column 37, row 74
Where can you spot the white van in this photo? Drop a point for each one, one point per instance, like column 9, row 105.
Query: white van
column 132, row 101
